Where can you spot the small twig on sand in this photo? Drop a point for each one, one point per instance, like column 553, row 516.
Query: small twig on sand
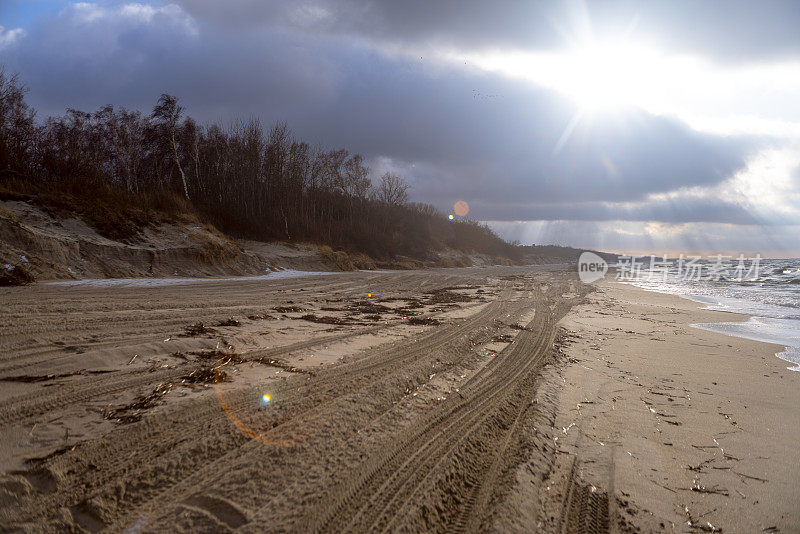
column 662, row 486
column 699, row 488
column 751, row 477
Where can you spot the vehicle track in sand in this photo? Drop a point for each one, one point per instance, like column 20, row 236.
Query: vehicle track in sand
column 34, row 333
column 25, row 407
column 357, row 451
column 345, row 381
column 120, row 446
column 300, row 397
column 374, row 498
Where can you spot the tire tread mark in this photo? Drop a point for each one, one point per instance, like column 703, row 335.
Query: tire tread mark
column 335, row 514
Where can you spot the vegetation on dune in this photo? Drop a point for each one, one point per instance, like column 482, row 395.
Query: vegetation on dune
column 121, row 170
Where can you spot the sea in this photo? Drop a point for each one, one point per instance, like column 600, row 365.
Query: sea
column 770, row 294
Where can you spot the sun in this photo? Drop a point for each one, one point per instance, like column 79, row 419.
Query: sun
column 603, row 77
column 600, row 76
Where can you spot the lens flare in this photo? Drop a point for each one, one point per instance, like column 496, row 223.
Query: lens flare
column 461, row 208
column 451, row 217
column 265, row 400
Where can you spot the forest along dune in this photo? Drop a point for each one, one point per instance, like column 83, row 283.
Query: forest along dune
column 439, row 400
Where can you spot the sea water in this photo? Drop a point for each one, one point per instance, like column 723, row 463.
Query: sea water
column 772, row 300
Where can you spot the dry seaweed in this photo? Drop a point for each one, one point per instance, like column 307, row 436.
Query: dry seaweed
column 699, row 488
column 288, row 309
column 198, row 329
column 365, row 306
column 216, row 354
column 411, row 304
column 130, row 413
column 698, row 524
column 205, row 375
column 45, row 378
column 327, row 319
column 441, row 296
column 426, row 321
column 456, row 288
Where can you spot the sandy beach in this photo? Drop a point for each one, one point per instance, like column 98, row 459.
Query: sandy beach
column 688, row 429
column 504, row 399
column 425, row 267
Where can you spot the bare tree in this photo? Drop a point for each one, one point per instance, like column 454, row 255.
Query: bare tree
column 356, row 177
column 246, row 181
column 188, row 136
column 17, row 130
column 393, row 190
column 168, row 113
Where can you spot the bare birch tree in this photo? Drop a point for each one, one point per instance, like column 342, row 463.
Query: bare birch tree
column 168, row 113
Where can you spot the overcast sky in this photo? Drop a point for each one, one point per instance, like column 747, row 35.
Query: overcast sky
column 628, row 126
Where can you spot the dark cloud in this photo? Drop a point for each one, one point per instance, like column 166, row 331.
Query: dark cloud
column 730, row 29
column 455, row 134
column 609, row 160
column 91, row 56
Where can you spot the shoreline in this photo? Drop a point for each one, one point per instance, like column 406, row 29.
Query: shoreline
column 791, row 349
column 675, row 423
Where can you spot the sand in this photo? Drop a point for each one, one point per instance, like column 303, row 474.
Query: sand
column 503, row 398
column 679, row 424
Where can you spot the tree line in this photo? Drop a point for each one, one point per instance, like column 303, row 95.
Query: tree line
column 243, row 179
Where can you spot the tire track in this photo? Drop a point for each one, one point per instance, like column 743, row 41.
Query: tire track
column 168, row 457
column 168, row 430
column 379, row 366
column 359, row 504
column 109, row 452
column 24, row 408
